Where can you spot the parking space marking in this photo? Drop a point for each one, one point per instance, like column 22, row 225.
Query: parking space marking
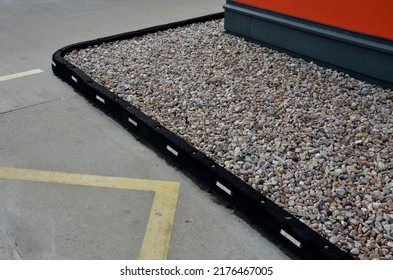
column 20, row 75
column 159, row 226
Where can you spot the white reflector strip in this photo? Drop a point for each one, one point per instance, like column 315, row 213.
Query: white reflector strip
column 74, row 79
column 225, row 189
column 100, row 99
column 54, row 64
column 290, row 238
column 133, row 122
column 173, row 151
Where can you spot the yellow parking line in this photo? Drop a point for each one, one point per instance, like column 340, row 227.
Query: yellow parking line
column 20, row 75
column 159, row 226
column 158, row 231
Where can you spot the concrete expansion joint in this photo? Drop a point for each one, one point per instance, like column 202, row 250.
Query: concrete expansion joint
column 15, row 245
column 35, row 105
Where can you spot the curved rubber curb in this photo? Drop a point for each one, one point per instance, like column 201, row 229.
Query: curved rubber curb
column 293, row 236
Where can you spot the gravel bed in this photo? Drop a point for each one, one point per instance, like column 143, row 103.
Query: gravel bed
column 315, row 141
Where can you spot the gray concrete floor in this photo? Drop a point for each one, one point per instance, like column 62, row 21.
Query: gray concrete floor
column 45, row 125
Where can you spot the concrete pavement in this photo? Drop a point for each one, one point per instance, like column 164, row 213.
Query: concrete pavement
column 45, row 125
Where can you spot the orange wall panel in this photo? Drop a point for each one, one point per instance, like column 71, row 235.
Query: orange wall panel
column 364, row 16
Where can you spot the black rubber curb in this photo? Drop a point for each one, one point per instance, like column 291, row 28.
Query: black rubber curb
column 293, row 236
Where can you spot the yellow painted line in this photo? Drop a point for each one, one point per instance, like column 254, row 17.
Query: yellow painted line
column 158, row 230
column 159, row 226
column 20, row 75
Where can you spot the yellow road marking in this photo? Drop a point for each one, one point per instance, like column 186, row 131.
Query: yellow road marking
column 159, row 226
column 20, row 75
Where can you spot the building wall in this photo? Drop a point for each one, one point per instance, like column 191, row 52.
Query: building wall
column 371, row 17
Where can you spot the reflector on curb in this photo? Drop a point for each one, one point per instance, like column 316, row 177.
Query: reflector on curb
column 290, row 238
column 99, row 98
column 225, row 189
column 173, row 151
column 132, row 121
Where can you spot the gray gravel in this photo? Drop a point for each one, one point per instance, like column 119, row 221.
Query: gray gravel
column 315, row 141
